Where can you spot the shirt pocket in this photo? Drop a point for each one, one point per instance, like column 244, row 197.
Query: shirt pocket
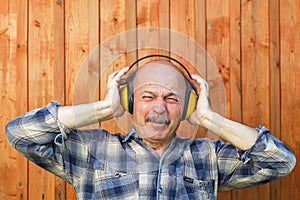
column 199, row 189
column 115, row 185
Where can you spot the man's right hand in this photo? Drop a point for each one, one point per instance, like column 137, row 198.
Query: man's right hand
column 112, row 94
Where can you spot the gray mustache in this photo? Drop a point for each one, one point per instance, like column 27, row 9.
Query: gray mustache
column 158, row 119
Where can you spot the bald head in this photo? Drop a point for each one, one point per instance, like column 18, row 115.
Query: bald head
column 162, row 73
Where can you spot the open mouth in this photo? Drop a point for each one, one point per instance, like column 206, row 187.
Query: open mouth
column 156, row 126
column 158, row 120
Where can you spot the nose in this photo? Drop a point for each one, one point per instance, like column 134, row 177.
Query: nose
column 159, row 106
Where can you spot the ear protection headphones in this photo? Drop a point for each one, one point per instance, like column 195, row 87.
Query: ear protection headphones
column 126, row 89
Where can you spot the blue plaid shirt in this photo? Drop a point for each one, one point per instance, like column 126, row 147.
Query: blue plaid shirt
column 101, row 165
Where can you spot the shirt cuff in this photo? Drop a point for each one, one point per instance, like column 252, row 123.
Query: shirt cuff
column 259, row 145
column 64, row 130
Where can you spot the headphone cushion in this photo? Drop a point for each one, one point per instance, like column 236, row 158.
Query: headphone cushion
column 190, row 105
column 123, row 91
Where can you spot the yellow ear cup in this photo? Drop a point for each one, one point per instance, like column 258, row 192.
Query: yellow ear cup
column 124, row 96
column 191, row 104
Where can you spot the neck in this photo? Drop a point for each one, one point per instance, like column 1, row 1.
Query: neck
column 159, row 146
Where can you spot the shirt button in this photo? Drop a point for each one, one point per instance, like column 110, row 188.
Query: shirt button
column 160, row 190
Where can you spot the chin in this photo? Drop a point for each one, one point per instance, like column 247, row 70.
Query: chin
column 154, row 133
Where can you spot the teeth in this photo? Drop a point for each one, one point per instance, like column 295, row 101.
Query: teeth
column 161, row 120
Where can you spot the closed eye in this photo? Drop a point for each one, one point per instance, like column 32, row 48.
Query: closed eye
column 147, row 97
column 172, row 99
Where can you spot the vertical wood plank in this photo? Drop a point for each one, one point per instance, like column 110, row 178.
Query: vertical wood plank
column 4, row 67
column 152, row 14
column 217, row 46
column 59, row 62
column 219, row 42
column 201, row 52
column 235, row 69
column 76, row 47
column 290, row 90
column 255, row 62
column 235, row 61
column 200, row 37
column 275, row 83
column 113, row 22
column 255, row 77
column 81, row 38
column 131, row 25
column 218, row 49
column 183, row 46
column 42, row 78
column 77, row 41
column 183, row 20
column 200, row 17
column 59, row 50
column 13, row 88
column 234, row 93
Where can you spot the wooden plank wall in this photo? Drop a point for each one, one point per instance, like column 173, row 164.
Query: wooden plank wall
column 255, row 45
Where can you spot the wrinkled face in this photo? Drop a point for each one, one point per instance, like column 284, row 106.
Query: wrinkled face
column 159, row 90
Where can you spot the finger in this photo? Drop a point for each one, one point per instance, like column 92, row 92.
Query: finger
column 112, row 76
column 117, row 75
column 121, row 73
column 203, row 84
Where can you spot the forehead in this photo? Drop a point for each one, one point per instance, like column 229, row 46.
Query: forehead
column 156, row 90
column 160, row 73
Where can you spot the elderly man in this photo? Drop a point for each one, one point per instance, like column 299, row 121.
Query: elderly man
column 151, row 161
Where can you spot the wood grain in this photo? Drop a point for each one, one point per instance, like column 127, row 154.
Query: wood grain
column 59, row 63
column 41, row 83
column 81, row 37
column 48, row 52
column 152, row 14
column 183, row 46
column 114, row 51
column 218, row 48
column 255, row 73
column 290, row 90
column 275, row 122
column 13, row 90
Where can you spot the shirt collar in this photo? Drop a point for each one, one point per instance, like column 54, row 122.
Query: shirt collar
column 132, row 133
